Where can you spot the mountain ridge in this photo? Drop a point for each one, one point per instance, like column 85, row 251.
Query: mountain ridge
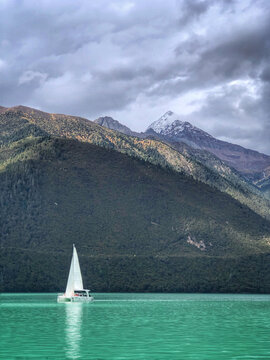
column 22, row 121
column 113, row 124
column 249, row 163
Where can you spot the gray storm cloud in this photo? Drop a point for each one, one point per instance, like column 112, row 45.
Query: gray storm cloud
column 206, row 60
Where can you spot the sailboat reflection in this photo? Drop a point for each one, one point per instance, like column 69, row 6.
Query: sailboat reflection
column 73, row 329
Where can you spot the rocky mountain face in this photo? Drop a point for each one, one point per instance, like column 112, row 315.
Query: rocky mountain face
column 169, row 126
column 144, row 215
column 112, row 124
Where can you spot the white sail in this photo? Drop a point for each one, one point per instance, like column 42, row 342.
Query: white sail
column 78, row 283
column 75, row 276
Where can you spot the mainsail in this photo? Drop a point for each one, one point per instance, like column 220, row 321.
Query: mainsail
column 75, row 276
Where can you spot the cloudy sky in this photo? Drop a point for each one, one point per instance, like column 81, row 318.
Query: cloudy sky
column 206, row 60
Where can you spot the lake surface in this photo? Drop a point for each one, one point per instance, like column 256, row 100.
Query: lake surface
column 136, row 326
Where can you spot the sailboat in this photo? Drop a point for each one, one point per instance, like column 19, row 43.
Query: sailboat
column 74, row 290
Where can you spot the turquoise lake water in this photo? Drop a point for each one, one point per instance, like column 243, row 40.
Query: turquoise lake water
column 136, row 326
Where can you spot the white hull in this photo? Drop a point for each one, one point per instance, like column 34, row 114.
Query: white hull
column 80, row 299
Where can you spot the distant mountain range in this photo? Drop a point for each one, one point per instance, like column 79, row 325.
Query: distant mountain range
column 146, row 213
column 254, row 166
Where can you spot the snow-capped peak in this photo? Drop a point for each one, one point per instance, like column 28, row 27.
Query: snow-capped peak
column 170, row 126
column 167, row 119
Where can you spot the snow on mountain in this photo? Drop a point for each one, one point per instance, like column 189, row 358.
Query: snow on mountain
column 170, row 125
column 167, row 119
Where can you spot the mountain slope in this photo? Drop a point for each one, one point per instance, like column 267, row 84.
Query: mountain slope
column 263, row 182
column 137, row 226
column 20, row 122
column 248, row 162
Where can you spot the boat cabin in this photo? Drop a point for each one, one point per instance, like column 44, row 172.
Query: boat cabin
column 82, row 293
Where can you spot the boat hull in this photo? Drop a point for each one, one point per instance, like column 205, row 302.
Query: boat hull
column 80, row 299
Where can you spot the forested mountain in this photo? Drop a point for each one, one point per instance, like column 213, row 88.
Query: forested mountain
column 143, row 216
